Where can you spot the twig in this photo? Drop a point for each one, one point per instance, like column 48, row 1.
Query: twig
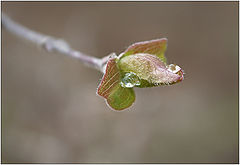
column 51, row 44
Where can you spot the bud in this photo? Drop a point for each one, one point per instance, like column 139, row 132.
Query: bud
column 142, row 65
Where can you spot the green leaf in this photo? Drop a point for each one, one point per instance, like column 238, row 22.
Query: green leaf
column 155, row 47
column 117, row 97
column 121, row 98
column 150, row 70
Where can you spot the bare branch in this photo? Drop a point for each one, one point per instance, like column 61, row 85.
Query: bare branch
column 51, row 44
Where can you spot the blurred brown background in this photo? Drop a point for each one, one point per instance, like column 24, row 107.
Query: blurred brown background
column 50, row 111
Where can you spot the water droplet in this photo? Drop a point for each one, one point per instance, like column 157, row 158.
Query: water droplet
column 173, row 68
column 130, row 80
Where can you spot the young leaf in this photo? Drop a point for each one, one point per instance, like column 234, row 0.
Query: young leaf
column 117, row 97
column 121, row 98
column 155, row 47
column 151, row 69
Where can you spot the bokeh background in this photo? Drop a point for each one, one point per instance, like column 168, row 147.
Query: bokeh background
column 50, row 111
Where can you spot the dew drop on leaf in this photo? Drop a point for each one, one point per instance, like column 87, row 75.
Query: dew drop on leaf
column 173, row 68
column 130, row 80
